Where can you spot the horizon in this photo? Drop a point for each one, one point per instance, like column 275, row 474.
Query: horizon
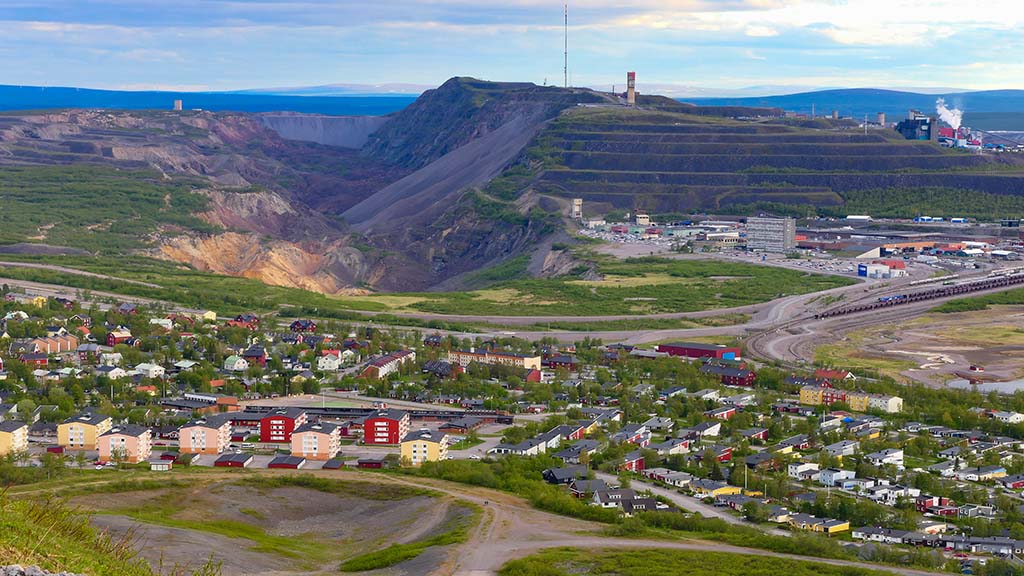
column 676, row 47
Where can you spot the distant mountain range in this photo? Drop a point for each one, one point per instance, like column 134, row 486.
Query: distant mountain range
column 858, row 102
column 37, row 98
column 392, row 89
column 983, row 108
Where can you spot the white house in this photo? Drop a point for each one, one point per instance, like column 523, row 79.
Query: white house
column 842, row 448
column 236, row 364
column 112, row 372
column 888, row 456
column 328, row 363
column 797, row 469
column 835, row 476
column 1008, row 417
column 111, row 359
column 150, row 370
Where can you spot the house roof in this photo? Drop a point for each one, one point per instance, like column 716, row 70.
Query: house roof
column 126, row 430
column 286, row 460
column 290, row 412
column 321, row 427
column 11, row 426
column 566, row 473
column 425, row 435
column 91, row 418
column 241, row 458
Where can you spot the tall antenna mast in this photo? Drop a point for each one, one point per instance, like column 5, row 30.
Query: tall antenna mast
column 565, row 69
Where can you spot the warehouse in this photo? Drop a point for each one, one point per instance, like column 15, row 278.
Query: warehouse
column 698, row 350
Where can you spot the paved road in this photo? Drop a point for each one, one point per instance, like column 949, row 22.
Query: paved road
column 684, row 502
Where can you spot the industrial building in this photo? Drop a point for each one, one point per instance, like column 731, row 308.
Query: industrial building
column 918, row 126
column 771, row 234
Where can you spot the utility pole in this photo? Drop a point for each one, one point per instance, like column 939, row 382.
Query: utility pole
column 565, row 38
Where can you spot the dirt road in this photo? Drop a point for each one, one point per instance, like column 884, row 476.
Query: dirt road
column 511, row 529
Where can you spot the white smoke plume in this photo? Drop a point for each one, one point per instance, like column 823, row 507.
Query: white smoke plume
column 953, row 117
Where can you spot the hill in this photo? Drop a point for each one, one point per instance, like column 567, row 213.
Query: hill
column 672, row 162
column 472, row 176
column 858, row 102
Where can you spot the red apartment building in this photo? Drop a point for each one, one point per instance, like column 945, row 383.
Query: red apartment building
column 278, row 425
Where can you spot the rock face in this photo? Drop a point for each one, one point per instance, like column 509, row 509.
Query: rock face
column 342, row 131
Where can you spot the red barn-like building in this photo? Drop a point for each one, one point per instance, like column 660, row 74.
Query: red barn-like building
column 279, row 424
column 698, row 350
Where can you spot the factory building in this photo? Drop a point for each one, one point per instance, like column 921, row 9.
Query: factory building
column 771, row 234
column 918, row 126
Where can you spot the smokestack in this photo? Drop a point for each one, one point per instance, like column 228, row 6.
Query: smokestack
column 881, row 119
column 631, row 88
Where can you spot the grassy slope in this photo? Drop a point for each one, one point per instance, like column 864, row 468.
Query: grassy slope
column 96, row 208
column 56, row 538
column 566, row 562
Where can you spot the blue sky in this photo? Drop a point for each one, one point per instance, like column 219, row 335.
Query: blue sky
column 674, row 45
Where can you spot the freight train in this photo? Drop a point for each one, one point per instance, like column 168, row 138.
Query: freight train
column 931, row 294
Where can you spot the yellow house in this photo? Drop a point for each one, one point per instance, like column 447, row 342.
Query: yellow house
column 832, row 526
column 713, row 489
column 208, row 316
column 82, row 432
column 13, row 437
column 424, row 446
column 40, row 301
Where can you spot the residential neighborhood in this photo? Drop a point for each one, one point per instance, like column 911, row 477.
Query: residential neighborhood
column 669, row 429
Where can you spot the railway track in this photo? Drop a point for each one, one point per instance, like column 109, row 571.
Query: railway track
column 931, row 294
column 793, row 342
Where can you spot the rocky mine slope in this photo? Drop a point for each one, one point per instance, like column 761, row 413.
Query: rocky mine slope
column 669, row 162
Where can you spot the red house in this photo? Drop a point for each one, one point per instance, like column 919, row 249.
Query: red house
column 698, row 350
column 926, row 503
column 533, row 376
column 562, row 361
column 278, row 425
column 303, row 326
column 730, row 376
column 250, row 321
column 35, row 359
column 255, row 355
column 115, row 337
column 385, row 427
column 1014, row 482
column 723, row 413
column 634, row 462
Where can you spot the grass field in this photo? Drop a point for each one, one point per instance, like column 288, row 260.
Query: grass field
column 569, row 562
column 641, row 286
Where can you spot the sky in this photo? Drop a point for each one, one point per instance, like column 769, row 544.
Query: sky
column 675, row 46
